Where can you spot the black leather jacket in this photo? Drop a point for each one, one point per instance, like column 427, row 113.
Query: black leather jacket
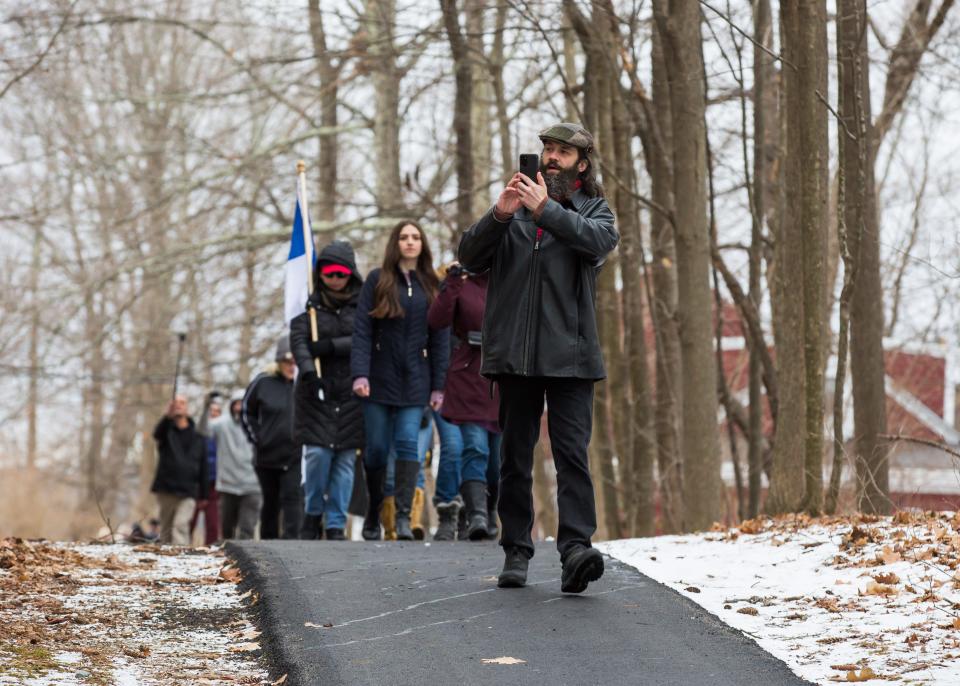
column 541, row 302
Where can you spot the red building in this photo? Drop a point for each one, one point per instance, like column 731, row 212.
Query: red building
column 921, row 404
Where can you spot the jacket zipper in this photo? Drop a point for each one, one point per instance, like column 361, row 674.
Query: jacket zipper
column 530, row 292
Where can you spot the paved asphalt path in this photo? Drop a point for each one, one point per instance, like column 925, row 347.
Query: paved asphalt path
column 411, row 613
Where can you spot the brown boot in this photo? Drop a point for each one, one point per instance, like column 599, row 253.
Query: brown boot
column 416, row 515
column 388, row 517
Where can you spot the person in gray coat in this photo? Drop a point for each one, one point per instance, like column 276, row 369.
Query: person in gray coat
column 237, row 484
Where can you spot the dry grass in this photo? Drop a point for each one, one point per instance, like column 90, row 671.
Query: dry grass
column 36, row 505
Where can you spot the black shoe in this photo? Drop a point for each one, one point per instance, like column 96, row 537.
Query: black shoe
column 580, row 567
column 514, row 574
column 447, row 514
column 335, row 535
column 404, row 532
column 311, row 528
column 371, row 523
column 462, row 524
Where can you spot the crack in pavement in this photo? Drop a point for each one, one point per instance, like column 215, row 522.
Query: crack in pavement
column 426, row 602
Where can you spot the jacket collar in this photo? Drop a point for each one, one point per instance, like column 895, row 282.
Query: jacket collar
column 578, row 200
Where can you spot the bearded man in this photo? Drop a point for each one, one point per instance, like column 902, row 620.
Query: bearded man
column 544, row 243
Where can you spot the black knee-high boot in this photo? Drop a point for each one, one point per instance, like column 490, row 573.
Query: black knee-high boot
column 371, row 523
column 407, row 472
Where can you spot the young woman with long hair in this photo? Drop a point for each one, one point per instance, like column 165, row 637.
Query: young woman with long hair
column 398, row 366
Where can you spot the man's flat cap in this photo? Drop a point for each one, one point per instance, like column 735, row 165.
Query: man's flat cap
column 569, row 133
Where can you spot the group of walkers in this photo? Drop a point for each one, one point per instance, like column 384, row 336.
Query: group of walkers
column 373, row 365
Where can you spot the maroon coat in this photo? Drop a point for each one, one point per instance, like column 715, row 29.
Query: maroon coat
column 460, row 304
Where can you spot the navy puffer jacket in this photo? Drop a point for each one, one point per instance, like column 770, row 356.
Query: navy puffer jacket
column 402, row 358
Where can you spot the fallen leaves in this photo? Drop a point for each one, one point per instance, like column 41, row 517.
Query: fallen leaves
column 503, row 661
column 244, row 647
column 231, row 574
column 865, row 674
column 140, row 651
column 886, row 578
column 110, row 606
column 873, row 588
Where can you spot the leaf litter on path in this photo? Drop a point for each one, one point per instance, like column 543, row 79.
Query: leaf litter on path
column 118, row 614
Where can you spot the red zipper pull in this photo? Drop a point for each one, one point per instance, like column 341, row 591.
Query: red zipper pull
column 536, row 246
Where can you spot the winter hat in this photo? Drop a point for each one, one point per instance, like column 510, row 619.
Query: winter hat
column 569, row 133
column 283, row 349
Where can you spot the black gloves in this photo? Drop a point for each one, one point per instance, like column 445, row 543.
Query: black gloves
column 317, row 388
column 321, row 348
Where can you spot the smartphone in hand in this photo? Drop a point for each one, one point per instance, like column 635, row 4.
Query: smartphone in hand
column 530, row 165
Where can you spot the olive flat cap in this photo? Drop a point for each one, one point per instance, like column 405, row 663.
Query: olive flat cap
column 569, row 133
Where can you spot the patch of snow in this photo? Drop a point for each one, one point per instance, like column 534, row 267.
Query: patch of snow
column 792, row 582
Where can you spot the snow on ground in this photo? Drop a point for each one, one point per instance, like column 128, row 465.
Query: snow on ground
column 840, row 599
column 117, row 614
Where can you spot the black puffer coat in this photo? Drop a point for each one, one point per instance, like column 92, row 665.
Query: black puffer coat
column 401, row 356
column 181, row 460
column 267, row 415
column 337, row 421
column 541, row 315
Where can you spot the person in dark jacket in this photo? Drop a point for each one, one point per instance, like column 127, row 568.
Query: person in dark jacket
column 267, row 414
column 181, row 479
column 544, row 243
column 468, row 405
column 328, row 417
column 398, row 363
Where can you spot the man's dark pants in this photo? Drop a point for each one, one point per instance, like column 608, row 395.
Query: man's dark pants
column 281, row 494
column 569, row 422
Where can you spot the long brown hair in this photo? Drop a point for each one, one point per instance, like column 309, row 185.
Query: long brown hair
column 386, row 303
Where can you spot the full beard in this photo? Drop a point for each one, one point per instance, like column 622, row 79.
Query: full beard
column 559, row 186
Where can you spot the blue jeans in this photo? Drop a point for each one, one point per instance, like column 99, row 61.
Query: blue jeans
column 481, row 454
column 328, row 483
column 392, row 433
column 448, row 470
column 423, row 444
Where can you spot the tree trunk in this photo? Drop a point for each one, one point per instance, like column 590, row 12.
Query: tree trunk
column 863, row 240
column 762, row 31
column 497, row 59
column 325, row 201
column 462, row 112
column 481, row 123
column 379, row 21
column 680, row 30
column 664, row 304
column 797, row 475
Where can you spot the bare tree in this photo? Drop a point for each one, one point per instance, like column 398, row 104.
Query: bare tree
column 680, row 30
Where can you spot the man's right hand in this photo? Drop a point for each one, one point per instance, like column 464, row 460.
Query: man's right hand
column 509, row 200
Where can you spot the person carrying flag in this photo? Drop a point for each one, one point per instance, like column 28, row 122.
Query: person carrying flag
column 328, row 417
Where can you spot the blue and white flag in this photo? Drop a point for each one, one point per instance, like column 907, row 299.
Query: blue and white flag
column 297, row 287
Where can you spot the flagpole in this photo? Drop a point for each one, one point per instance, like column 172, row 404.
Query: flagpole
column 308, row 240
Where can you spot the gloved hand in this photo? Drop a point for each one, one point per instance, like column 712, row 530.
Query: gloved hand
column 316, row 387
column 321, row 348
